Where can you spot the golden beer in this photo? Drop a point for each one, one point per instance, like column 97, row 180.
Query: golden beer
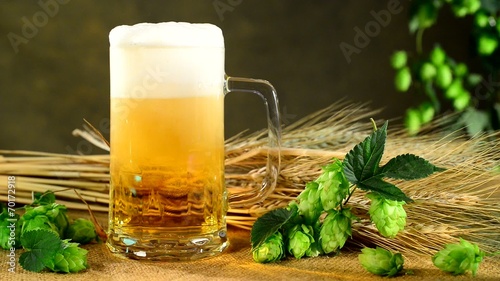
column 167, row 196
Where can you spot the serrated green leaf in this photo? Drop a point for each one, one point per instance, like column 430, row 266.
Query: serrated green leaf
column 362, row 162
column 42, row 245
column 408, row 167
column 41, row 239
column 31, row 261
column 385, row 189
column 269, row 223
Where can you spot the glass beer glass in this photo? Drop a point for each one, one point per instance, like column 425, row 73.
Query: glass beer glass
column 168, row 199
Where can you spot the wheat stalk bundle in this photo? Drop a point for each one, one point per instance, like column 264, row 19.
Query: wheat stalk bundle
column 463, row 201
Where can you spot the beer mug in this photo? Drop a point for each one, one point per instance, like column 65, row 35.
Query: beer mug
column 168, row 199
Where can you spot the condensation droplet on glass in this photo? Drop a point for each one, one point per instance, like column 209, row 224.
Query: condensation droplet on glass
column 140, row 253
column 129, row 241
column 200, row 241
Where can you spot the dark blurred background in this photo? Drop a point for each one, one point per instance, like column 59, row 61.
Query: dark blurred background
column 55, row 68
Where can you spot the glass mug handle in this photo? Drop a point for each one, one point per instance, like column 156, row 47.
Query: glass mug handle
column 267, row 92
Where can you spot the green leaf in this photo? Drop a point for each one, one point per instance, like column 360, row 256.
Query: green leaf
column 491, row 6
column 385, row 189
column 408, row 167
column 48, row 197
column 476, row 121
column 31, row 261
column 42, row 246
column 269, row 223
column 363, row 160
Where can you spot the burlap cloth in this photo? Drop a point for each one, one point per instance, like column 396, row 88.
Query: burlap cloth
column 237, row 264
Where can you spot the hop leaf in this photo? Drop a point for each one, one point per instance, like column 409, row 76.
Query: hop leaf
column 333, row 185
column 45, row 198
column 309, row 203
column 380, row 261
column 389, row 216
column 335, row 231
column 81, row 231
column 409, row 167
column 41, row 245
column 300, row 239
column 459, row 258
column 270, row 223
column 270, row 250
column 361, row 166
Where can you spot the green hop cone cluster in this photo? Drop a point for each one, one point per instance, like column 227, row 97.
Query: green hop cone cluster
column 44, row 232
column 438, row 73
column 446, row 82
column 459, row 258
column 389, row 216
column 81, row 231
column 320, row 221
column 270, row 250
column 333, row 185
column 336, row 229
column 380, row 261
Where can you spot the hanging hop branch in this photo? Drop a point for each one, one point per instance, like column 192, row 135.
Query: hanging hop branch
column 319, row 221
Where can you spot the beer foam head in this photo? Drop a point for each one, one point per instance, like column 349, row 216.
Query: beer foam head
column 178, row 34
column 166, row 60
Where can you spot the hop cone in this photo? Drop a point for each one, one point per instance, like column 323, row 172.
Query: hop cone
column 335, row 230
column 54, row 215
column 81, row 231
column 333, row 185
column 389, row 216
column 270, row 250
column 380, row 261
column 315, row 248
column 300, row 239
column 37, row 222
column 459, row 258
column 309, row 203
column 71, row 259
